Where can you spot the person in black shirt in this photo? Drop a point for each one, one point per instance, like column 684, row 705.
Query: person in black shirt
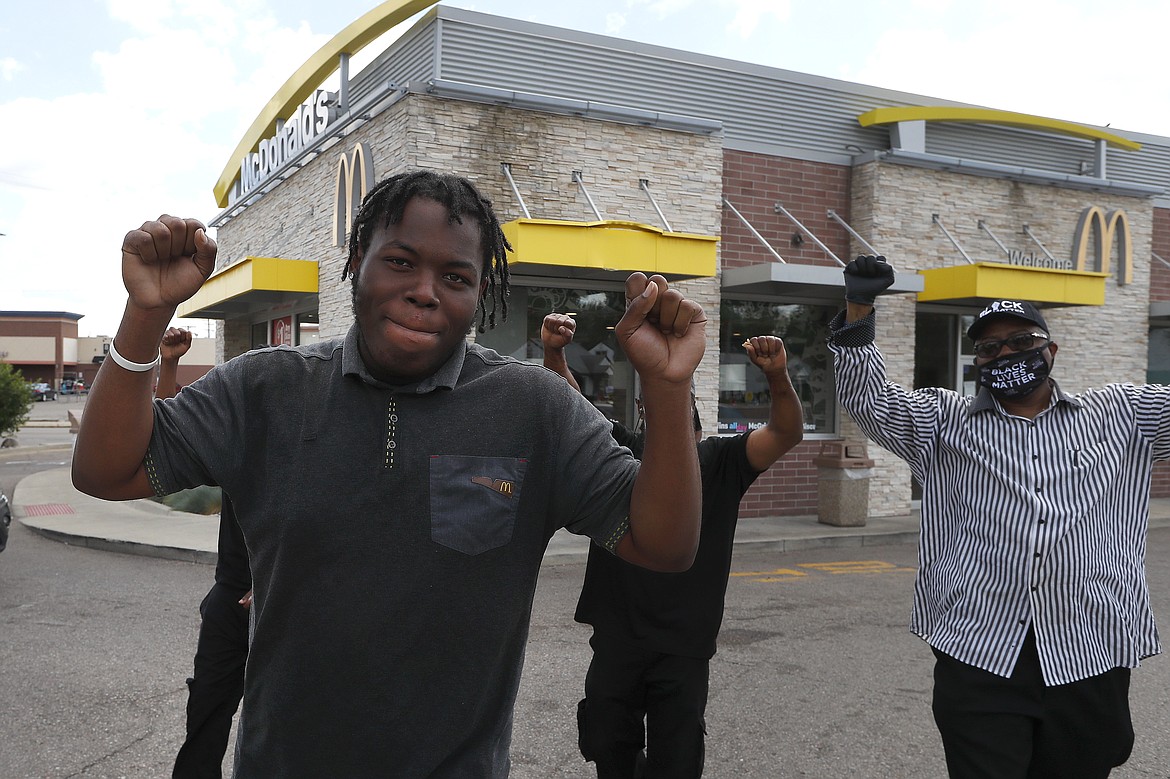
column 217, row 685
column 400, row 462
column 654, row 634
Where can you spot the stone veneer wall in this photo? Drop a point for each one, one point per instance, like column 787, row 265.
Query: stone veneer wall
column 892, row 207
column 684, row 172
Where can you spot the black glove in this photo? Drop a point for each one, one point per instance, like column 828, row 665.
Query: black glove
column 866, row 277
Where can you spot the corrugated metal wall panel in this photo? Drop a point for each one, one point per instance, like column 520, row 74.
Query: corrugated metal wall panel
column 751, row 108
column 1016, row 147
column 410, row 58
column 1150, row 165
column 758, row 106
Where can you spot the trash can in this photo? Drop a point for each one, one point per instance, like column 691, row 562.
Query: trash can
column 843, row 474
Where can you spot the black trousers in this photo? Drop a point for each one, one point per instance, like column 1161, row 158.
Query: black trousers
column 636, row 698
column 214, row 692
column 997, row 728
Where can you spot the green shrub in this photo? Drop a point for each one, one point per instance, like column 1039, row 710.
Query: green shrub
column 199, row 500
column 15, row 400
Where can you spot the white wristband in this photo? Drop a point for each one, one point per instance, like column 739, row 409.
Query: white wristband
column 136, row 367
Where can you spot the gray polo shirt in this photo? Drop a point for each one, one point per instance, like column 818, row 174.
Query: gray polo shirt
column 394, row 535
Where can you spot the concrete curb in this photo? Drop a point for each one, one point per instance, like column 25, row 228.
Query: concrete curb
column 125, row 547
column 47, row 503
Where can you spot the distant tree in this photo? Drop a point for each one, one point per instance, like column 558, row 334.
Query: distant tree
column 15, row 400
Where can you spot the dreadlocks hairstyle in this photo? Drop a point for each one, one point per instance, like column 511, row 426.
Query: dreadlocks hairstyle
column 386, row 202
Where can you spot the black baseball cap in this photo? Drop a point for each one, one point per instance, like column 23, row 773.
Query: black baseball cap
column 1000, row 309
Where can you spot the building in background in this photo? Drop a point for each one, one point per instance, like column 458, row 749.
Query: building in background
column 748, row 186
column 44, row 347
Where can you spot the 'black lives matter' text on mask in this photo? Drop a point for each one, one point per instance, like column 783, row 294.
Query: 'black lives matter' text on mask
column 1015, row 375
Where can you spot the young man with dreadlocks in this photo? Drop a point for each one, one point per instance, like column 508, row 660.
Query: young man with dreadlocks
column 396, row 487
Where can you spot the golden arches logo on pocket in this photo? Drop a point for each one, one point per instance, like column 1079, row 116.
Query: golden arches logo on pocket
column 505, row 488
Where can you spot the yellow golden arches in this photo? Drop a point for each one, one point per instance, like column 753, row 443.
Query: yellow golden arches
column 309, row 76
column 355, row 175
column 1101, row 231
column 881, row 116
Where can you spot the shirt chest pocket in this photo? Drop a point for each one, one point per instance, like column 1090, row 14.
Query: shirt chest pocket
column 474, row 501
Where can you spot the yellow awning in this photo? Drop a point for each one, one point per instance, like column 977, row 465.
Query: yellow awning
column 252, row 285
column 607, row 249
column 976, row 283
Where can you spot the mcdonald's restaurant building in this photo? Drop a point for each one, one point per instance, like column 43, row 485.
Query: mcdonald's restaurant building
column 748, row 186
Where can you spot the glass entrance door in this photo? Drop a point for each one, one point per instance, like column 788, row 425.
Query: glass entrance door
column 942, row 358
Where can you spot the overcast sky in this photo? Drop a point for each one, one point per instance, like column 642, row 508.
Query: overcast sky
column 114, row 111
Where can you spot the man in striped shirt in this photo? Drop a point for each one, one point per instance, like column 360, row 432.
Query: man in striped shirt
column 1031, row 587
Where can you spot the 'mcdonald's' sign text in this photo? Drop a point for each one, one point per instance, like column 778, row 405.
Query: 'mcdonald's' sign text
column 291, row 136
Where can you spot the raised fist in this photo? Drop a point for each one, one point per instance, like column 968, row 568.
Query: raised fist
column 556, row 332
column 166, row 261
column 176, row 341
column 867, row 277
column 767, row 353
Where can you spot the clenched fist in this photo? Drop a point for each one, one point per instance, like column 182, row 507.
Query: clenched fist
column 166, row 261
column 867, row 277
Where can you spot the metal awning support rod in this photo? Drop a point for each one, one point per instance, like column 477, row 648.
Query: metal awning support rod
column 868, row 246
column 507, row 170
column 581, row 183
column 645, row 185
column 1028, row 232
column 934, row 218
column 780, row 209
column 1159, row 259
column 754, row 231
column 983, row 226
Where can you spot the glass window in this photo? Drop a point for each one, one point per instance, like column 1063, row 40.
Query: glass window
column 944, row 355
column 743, row 393
column 969, row 376
column 308, row 326
column 934, row 335
column 1158, row 369
column 594, row 358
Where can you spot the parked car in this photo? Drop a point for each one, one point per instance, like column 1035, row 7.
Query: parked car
column 42, row 391
column 5, row 520
column 72, row 387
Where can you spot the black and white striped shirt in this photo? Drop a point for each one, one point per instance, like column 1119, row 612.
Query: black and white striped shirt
column 1025, row 522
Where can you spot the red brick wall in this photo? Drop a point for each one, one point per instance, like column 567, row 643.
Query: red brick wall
column 37, row 328
column 1160, row 479
column 188, row 374
column 1159, row 272
column 36, row 371
column 1160, row 291
column 788, row 488
column 754, row 183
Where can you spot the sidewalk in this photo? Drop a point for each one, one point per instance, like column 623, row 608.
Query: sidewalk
column 47, row 503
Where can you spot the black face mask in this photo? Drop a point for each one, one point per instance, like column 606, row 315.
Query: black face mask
column 1015, row 375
